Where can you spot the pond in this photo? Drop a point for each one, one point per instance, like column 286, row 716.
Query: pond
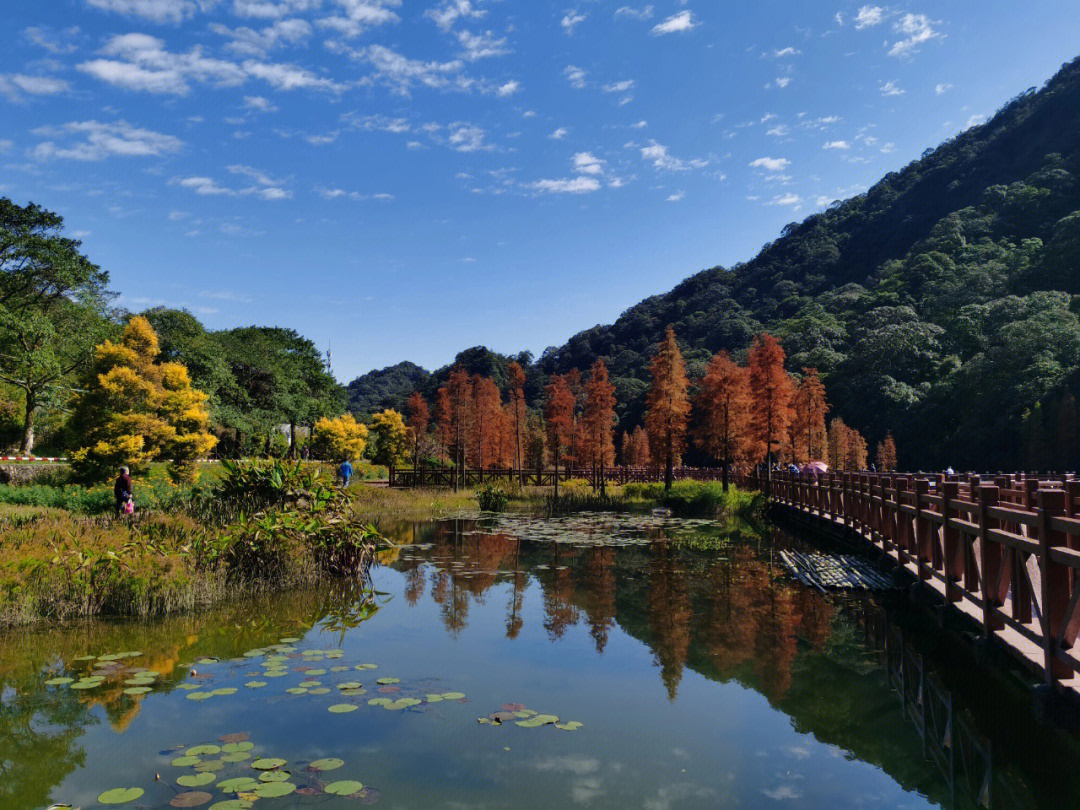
column 595, row 661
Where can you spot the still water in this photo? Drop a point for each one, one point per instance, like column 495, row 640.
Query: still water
column 594, row 661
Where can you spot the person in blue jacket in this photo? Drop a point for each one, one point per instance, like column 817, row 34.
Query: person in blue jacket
column 345, row 471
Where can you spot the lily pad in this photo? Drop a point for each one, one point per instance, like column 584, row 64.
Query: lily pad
column 385, row 681
column 346, row 787
column 191, row 798
column 530, row 723
column 59, row 681
column 274, row 776
column 237, row 784
column 339, row 668
column 185, row 761
column 453, row 695
column 239, row 745
column 572, row 725
column 120, row 795
column 319, row 690
column 137, row 690
column 350, row 685
column 195, row 779
column 90, row 684
column 267, row 764
column 273, row 790
column 310, row 684
column 434, row 698
column 239, row 756
column 289, row 640
column 255, row 684
column 316, row 672
column 228, row 690
column 187, row 687
column 199, row 695
column 297, row 690
column 275, row 673
column 342, row 708
column 362, row 667
column 211, row 766
column 327, row 764
column 379, row 701
column 203, row 750
column 232, row 804
column 546, row 719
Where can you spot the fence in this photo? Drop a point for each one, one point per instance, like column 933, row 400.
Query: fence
column 612, row 476
column 1003, row 549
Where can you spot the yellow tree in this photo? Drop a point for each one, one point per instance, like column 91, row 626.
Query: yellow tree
column 339, row 439
column 668, row 405
column 599, row 420
column 724, row 406
column 391, row 438
column 135, row 410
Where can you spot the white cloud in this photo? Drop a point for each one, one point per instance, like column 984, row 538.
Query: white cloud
column 402, row 73
column 868, row 16
column 788, row 51
column 142, row 63
column 783, row 81
column 779, row 131
column 676, row 23
column 645, row 13
column 888, row 148
column 290, row 77
column 266, row 187
column 658, row 154
column 944, row 87
column 508, row 89
column 559, row 134
column 159, row 11
column 337, row 193
column 587, row 163
column 322, row 140
column 451, row 11
column 571, row 20
column 822, row 200
column 55, row 43
column 14, row 85
column 770, row 164
column 787, row 199
column 376, row 123
column 5, row 145
column 639, row 125
column 890, row 89
column 359, row 15
column 678, row 195
column 917, row 29
column 576, row 76
column 619, row 87
column 837, row 145
column 249, row 42
column 103, row 140
column 481, row 46
column 573, row 185
column 267, row 9
column 259, row 103
column 974, row 120
column 467, row 138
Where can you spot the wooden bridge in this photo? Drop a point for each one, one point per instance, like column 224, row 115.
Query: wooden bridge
column 1004, row 550
column 612, row 476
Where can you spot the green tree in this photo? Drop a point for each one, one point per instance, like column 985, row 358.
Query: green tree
column 52, row 303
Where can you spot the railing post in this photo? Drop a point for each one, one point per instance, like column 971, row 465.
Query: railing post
column 989, row 560
column 922, row 528
column 950, row 537
column 899, row 519
column 1055, row 583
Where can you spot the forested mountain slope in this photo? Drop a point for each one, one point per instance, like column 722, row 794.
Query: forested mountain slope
column 941, row 304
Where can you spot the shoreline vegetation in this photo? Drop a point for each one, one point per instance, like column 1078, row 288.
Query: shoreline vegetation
column 251, row 527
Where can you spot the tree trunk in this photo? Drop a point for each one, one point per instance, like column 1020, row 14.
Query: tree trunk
column 603, row 480
column 292, row 439
column 724, row 476
column 26, row 448
column 669, row 471
column 556, row 473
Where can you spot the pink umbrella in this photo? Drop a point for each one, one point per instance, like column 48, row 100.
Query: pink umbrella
column 815, row 468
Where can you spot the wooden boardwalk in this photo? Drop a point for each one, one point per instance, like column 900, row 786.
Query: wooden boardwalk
column 1004, row 550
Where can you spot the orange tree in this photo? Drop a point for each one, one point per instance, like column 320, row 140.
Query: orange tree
column 668, row 405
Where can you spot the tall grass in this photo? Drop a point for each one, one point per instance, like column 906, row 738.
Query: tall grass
column 699, row 499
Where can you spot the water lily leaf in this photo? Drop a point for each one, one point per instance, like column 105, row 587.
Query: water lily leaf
column 234, row 746
column 239, row 756
column 335, row 654
column 319, row 690
column 453, row 695
column 195, row 779
column 362, row 667
column 255, row 684
column 531, row 723
column 207, row 661
column 275, row 673
column 289, row 640
column 546, row 719
column 379, row 701
column 185, row 761
column 85, row 684
column 483, row 721
column 120, row 795
column 137, row 690
column 237, row 784
column 273, row 790
column 352, row 692
column 228, row 690
column 297, row 690
column 346, row 787
column 389, row 690
column 350, row 685
column 199, row 695
column 572, row 725
column 309, row 684
column 502, row 717
column 339, row 668
column 203, row 750
column 191, row 798
column 254, row 653
column 187, row 687
column 385, row 681
column 139, row 681
column 342, row 708
column 327, row 764
column 316, row 672
column 212, row 765
column 274, row 776
column 267, row 763
column 59, row 681
column 434, row 698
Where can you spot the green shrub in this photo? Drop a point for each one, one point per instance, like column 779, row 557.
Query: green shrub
column 698, row 499
column 492, row 498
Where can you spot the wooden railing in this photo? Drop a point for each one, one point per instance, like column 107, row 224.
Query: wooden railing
column 612, row 476
column 1003, row 549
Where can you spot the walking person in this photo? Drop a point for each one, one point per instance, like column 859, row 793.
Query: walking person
column 345, row 471
column 122, row 493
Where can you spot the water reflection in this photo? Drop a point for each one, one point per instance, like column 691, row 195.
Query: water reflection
column 703, row 676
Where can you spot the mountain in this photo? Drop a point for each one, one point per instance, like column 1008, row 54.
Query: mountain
column 386, row 388
column 941, row 304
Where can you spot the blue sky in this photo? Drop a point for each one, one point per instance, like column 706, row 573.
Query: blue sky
column 401, row 180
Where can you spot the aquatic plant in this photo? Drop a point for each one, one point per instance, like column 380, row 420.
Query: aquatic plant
column 492, row 498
